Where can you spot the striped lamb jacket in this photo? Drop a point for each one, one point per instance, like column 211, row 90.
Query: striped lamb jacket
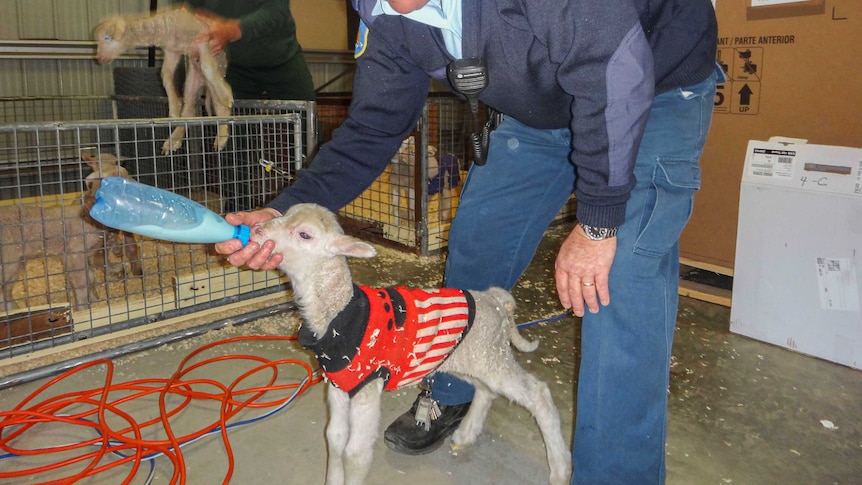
column 396, row 334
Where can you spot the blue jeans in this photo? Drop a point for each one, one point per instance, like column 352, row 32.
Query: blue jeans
column 505, row 208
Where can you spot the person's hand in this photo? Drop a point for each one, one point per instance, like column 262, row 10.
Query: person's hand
column 253, row 255
column 581, row 271
column 220, row 31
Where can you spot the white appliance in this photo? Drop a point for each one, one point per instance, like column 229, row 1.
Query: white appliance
column 798, row 266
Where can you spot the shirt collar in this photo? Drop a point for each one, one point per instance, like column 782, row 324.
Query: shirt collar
column 445, row 15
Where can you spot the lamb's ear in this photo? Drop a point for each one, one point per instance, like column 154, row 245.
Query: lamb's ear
column 352, row 247
column 119, row 29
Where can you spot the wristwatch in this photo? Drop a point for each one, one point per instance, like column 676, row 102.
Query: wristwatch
column 598, row 233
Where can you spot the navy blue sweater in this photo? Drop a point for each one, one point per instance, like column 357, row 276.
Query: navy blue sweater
column 585, row 65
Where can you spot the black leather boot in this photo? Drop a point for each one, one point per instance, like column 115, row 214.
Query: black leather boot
column 424, row 427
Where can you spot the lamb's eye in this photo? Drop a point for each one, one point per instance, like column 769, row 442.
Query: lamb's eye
column 305, row 235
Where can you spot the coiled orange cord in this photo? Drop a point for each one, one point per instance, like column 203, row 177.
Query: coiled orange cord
column 126, row 445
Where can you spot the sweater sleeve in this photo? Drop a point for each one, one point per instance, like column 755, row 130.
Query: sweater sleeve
column 389, row 93
column 606, row 65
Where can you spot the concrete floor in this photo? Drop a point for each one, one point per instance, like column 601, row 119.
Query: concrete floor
column 741, row 411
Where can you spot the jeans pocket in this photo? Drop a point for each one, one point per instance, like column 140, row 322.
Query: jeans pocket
column 669, row 206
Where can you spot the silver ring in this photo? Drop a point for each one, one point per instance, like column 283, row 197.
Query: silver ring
column 588, row 284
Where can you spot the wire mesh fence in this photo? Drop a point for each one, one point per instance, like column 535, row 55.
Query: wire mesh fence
column 64, row 277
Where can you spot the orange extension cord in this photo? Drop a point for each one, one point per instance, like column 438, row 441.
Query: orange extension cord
column 127, row 444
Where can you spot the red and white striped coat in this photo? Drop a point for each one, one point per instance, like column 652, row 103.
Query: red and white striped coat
column 397, row 334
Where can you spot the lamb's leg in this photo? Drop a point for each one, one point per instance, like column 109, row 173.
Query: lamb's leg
column 78, row 274
column 191, row 91
column 9, row 268
column 214, row 76
column 112, row 241
column 559, row 454
column 433, row 171
column 524, row 389
column 175, row 107
column 336, row 434
column 110, row 245
column 411, row 203
column 133, row 254
column 169, row 67
column 396, row 205
column 472, row 424
column 221, row 111
column 444, row 206
column 218, row 91
column 364, row 429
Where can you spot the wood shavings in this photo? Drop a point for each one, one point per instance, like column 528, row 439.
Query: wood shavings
column 828, row 424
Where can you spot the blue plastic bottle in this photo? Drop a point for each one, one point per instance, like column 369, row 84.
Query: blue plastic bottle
column 148, row 211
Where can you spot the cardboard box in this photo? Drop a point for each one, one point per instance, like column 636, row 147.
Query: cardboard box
column 793, row 70
column 798, row 272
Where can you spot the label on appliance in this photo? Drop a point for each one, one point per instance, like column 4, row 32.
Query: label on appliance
column 768, row 162
column 836, row 283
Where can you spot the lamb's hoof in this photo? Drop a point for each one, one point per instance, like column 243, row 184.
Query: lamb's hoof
column 458, row 447
column 170, row 146
column 223, row 134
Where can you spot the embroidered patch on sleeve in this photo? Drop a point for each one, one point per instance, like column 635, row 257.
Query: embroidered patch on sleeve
column 361, row 40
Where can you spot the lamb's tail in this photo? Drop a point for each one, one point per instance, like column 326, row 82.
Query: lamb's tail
column 508, row 302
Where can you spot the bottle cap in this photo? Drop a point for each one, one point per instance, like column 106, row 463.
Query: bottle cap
column 243, row 233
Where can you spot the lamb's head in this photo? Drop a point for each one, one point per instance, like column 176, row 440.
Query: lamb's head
column 103, row 165
column 109, row 39
column 309, row 237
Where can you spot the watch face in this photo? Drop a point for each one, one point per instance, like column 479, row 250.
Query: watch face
column 598, row 233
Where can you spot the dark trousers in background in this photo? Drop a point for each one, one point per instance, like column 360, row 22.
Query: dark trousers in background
column 290, row 81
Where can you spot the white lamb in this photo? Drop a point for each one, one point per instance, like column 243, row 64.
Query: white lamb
column 119, row 243
column 174, row 31
column 402, row 170
column 361, row 357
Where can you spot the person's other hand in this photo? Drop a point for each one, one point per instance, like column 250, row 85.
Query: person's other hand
column 220, row 31
column 581, row 271
column 253, row 255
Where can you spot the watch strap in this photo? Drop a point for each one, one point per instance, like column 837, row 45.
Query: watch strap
column 598, row 233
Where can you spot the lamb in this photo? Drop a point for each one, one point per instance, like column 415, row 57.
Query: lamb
column 174, row 31
column 32, row 231
column 120, row 243
column 361, row 359
column 442, row 177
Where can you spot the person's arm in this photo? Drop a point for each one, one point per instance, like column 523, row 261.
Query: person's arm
column 606, row 65
column 273, row 16
column 220, row 30
column 389, row 93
